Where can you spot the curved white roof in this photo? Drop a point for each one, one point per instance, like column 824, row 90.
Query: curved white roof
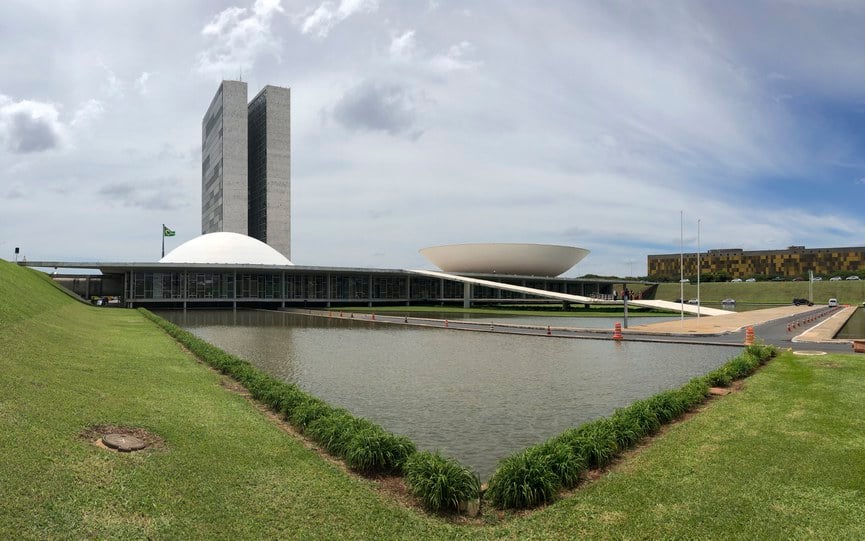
column 505, row 258
column 231, row 248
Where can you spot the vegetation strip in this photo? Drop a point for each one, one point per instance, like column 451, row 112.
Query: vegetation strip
column 535, row 475
column 364, row 446
column 784, row 459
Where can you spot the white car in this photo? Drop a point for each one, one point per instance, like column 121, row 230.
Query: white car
column 833, row 303
column 818, row 278
column 854, row 277
column 835, row 279
column 751, row 280
column 736, row 280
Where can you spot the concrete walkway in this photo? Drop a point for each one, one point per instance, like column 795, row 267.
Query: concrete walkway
column 721, row 324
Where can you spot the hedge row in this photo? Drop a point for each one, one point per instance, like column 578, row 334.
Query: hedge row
column 365, row 446
column 440, row 483
column 534, row 475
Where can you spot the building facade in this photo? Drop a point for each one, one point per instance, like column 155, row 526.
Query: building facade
column 224, row 185
column 246, row 164
column 270, row 168
column 795, row 261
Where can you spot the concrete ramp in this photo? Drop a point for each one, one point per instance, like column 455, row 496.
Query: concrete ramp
column 663, row 305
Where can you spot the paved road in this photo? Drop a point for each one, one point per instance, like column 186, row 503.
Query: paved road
column 777, row 326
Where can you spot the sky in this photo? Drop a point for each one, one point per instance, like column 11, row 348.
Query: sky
column 612, row 126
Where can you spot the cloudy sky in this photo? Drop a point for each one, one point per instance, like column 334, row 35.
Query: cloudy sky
column 590, row 123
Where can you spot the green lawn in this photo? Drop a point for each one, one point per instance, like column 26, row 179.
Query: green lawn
column 847, row 292
column 784, row 458
column 574, row 311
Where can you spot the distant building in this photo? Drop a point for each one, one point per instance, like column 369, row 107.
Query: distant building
column 737, row 263
column 246, row 165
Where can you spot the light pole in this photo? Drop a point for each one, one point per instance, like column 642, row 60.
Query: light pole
column 699, row 299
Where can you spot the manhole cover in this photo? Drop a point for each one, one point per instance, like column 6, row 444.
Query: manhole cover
column 123, row 442
column 809, row 353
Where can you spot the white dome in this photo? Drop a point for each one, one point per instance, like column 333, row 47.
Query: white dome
column 231, row 248
column 505, row 258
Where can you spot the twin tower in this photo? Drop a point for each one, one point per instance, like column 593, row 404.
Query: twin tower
column 246, row 164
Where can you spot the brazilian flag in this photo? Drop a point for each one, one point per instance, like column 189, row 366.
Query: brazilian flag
column 167, row 232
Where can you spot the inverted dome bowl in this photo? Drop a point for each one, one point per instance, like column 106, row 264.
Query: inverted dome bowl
column 505, row 258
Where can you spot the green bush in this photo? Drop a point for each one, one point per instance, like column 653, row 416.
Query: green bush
column 533, row 476
column 335, row 430
column 645, row 417
column 365, row 446
column 307, row 411
column 596, row 442
column 374, row 450
column 564, row 461
column 525, row 479
column 440, row 483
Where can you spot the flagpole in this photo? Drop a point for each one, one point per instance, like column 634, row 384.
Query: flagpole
column 682, row 265
column 163, row 240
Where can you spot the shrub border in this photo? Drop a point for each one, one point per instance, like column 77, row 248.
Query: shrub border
column 534, row 475
column 525, row 479
column 441, row 484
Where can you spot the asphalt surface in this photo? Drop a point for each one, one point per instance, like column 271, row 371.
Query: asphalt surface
column 776, row 326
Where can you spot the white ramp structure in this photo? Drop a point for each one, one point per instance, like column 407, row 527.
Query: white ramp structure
column 663, row 305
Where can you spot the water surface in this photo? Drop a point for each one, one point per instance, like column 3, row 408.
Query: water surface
column 854, row 329
column 477, row 397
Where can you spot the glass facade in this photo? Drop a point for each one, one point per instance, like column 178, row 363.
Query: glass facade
column 257, row 159
column 300, row 286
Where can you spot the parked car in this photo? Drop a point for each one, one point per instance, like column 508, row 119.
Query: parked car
column 694, row 301
column 735, row 280
column 800, row 301
column 833, row 303
column 684, row 280
column 777, row 279
column 751, row 280
column 835, row 279
column 818, row 278
column 732, row 301
column 854, row 277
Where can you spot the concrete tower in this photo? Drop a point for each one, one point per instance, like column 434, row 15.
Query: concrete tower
column 269, row 169
column 224, row 161
column 246, row 164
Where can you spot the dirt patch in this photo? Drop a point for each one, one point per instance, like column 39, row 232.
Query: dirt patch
column 95, row 433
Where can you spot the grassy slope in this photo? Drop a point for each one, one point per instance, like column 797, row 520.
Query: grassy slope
column 226, row 471
column 782, row 459
column 852, row 292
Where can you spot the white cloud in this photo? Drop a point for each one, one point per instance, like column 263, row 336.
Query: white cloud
column 29, row 126
column 327, row 15
column 113, row 86
column 88, row 111
column 238, row 37
column 141, row 82
column 403, row 46
column 456, row 59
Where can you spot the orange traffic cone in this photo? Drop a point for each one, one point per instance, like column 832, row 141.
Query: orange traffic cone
column 749, row 336
column 617, row 333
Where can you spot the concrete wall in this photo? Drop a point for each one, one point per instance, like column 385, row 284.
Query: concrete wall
column 224, row 161
column 279, row 169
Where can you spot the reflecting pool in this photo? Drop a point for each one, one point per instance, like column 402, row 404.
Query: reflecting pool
column 854, row 329
column 475, row 396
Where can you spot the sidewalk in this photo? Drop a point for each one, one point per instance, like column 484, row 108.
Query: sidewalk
column 719, row 324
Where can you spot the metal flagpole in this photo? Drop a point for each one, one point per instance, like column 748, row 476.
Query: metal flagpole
column 682, row 265
column 163, row 240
